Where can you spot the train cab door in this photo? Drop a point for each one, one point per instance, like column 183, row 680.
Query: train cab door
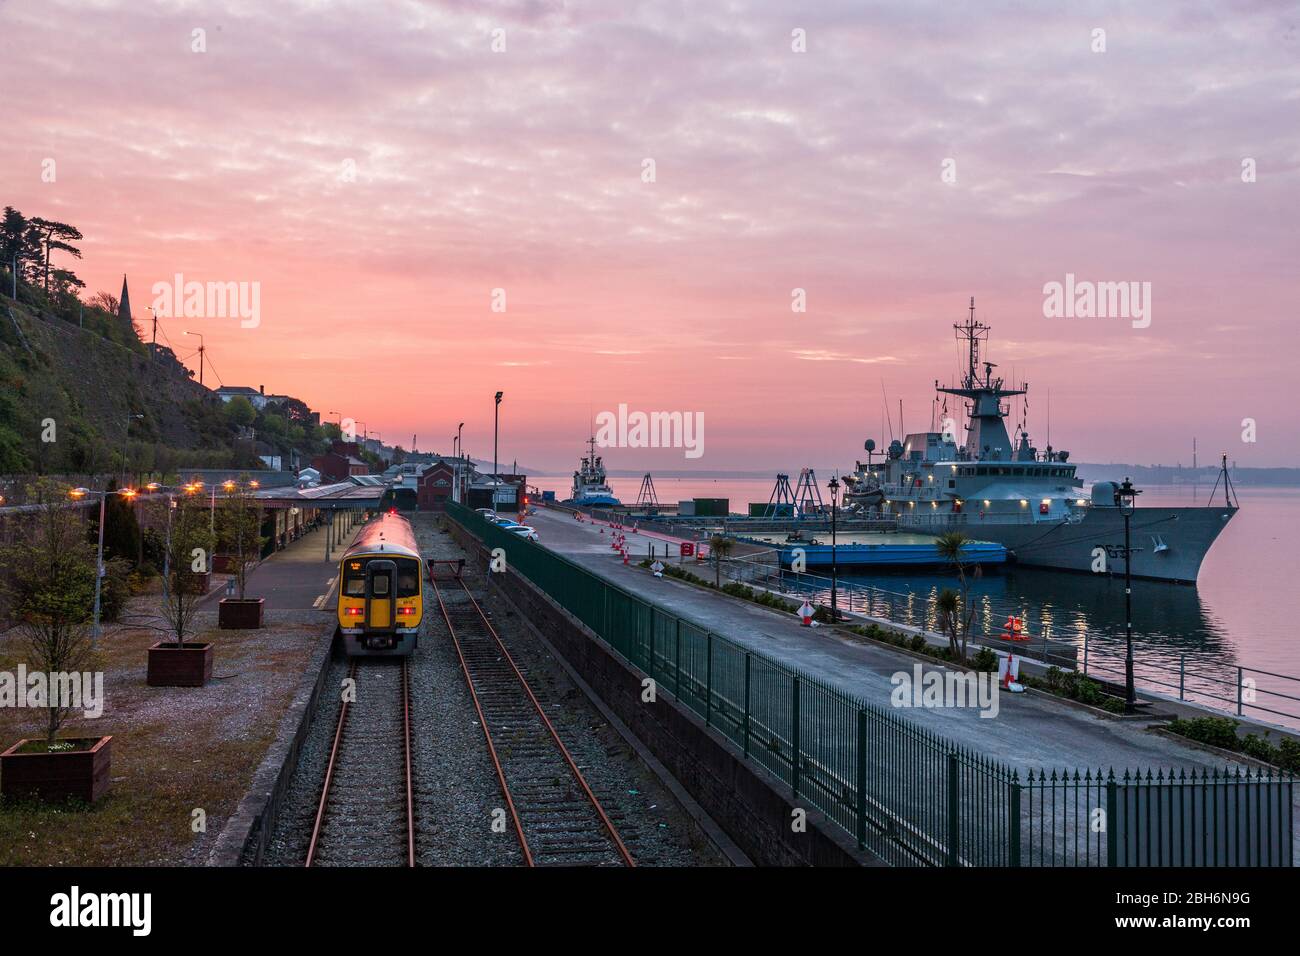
column 381, row 595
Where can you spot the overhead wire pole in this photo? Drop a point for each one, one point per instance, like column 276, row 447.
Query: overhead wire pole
column 202, row 349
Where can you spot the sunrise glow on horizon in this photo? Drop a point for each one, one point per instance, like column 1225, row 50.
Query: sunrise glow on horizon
column 384, row 174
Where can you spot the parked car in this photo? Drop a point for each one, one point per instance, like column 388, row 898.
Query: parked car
column 524, row 531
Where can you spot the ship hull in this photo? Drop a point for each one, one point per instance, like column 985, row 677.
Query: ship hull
column 1169, row 544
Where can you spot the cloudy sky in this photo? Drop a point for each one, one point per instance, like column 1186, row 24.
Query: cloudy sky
column 380, row 168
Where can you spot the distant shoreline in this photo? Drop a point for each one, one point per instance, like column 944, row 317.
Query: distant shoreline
column 1162, row 475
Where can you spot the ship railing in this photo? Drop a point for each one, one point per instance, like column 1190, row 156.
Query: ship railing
column 965, row 519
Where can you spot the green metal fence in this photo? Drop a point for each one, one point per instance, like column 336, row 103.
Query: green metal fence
column 908, row 795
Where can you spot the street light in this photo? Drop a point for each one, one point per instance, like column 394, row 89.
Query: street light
column 834, row 487
column 202, row 349
column 496, row 419
column 1126, row 502
column 77, row 494
column 126, row 437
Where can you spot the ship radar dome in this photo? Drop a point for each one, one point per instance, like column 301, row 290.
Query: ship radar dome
column 1103, row 494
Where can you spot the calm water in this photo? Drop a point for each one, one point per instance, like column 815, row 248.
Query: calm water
column 1235, row 616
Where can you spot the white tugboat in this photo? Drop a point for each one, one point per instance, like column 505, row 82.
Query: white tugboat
column 1030, row 502
column 589, row 484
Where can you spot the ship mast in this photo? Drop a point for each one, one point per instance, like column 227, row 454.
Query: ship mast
column 986, row 435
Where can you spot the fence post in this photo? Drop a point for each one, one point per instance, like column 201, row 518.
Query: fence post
column 794, row 738
column 954, row 824
column 1112, row 813
column 708, row 679
column 1182, row 674
column 677, row 660
column 1085, row 652
column 862, row 779
column 651, row 669
column 1238, row 691
column 1013, row 824
column 746, row 732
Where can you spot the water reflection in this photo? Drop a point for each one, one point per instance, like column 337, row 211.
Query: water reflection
column 1179, row 646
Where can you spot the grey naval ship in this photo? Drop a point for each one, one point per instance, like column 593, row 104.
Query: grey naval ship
column 1032, row 503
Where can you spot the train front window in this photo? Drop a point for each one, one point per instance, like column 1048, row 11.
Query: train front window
column 354, row 585
column 408, row 581
column 379, row 585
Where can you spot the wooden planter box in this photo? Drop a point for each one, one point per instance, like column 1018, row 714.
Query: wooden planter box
column 195, row 583
column 54, row 777
column 240, row 613
column 187, row 666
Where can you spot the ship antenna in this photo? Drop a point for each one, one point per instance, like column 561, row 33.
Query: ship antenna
column 885, row 399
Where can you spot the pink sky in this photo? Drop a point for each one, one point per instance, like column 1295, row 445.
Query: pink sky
column 775, row 170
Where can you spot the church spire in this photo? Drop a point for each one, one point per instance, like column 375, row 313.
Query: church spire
column 124, row 304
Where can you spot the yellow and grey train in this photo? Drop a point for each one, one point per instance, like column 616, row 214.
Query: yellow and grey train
column 381, row 589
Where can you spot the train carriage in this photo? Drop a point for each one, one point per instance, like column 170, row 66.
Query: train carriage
column 381, row 590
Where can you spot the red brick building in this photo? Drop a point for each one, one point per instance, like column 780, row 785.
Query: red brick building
column 340, row 462
column 433, row 487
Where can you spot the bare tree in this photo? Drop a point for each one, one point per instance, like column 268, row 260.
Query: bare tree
column 238, row 524
column 51, row 591
column 188, row 551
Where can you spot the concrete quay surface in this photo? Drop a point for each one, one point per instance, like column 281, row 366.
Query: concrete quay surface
column 1030, row 731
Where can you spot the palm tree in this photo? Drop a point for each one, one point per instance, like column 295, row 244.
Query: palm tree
column 719, row 547
column 955, row 613
column 947, row 606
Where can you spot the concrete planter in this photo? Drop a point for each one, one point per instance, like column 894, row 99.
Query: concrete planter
column 240, row 613
column 189, row 665
column 28, row 770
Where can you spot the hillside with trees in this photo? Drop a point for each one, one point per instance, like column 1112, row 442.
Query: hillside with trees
column 83, row 392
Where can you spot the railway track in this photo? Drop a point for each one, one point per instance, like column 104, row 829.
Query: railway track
column 366, row 811
column 556, row 816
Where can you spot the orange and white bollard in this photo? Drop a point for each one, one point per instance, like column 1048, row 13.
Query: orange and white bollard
column 806, row 614
column 1009, row 674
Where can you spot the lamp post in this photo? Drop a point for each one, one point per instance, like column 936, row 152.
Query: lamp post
column 1126, row 501
column 834, row 487
column 126, row 437
column 496, row 421
column 77, row 494
column 460, row 453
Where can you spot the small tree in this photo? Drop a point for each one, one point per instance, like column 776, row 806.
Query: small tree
column 238, row 525
column 188, row 550
column 51, row 590
column 719, row 547
column 121, row 529
column 955, row 613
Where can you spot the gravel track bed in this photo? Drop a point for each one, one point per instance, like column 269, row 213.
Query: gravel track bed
column 365, row 813
column 458, row 801
column 456, row 786
column 651, row 824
